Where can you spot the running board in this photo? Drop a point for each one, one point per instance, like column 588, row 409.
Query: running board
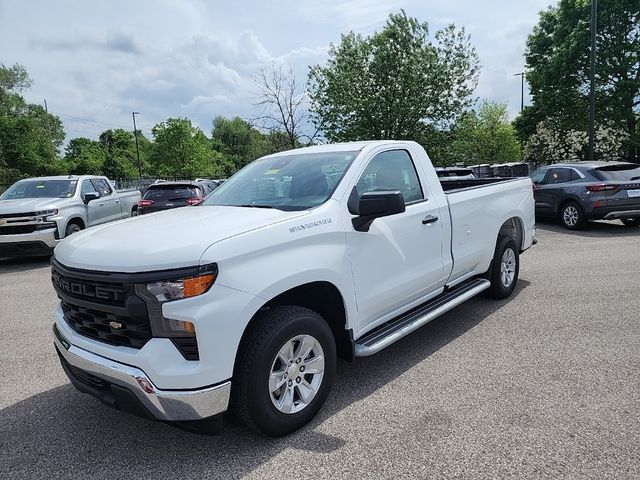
column 395, row 329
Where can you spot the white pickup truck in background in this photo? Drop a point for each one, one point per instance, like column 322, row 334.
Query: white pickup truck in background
column 36, row 213
column 302, row 256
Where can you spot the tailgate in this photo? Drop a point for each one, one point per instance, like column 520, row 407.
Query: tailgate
column 625, row 196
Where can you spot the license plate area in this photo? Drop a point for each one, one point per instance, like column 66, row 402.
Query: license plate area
column 633, row 193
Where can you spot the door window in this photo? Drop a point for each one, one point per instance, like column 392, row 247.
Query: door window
column 559, row 175
column 102, row 186
column 538, row 176
column 391, row 171
column 87, row 187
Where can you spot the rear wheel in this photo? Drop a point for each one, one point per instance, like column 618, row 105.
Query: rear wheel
column 572, row 216
column 134, row 212
column 505, row 268
column 631, row 222
column 285, row 370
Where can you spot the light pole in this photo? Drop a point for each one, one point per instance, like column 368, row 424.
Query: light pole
column 135, row 135
column 592, row 89
column 521, row 75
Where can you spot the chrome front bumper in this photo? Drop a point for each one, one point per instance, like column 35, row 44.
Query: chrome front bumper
column 166, row 405
column 47, row 237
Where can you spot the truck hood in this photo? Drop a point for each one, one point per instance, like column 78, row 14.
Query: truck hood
column 29, row 205
column 159, row 241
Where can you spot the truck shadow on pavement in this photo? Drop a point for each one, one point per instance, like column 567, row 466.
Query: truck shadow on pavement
column 595, row 229
column 13, row 265
column 63, row 433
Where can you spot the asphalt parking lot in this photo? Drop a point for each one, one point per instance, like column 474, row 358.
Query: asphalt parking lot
column 545, row 384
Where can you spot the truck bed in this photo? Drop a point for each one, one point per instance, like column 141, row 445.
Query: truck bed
column 451, row 186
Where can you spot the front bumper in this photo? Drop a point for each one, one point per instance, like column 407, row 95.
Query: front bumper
column 113, row 382
column 40, row 239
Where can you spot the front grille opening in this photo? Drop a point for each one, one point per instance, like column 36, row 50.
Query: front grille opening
column 108, row 327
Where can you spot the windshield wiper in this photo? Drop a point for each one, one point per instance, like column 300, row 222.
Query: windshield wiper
column 253, row 205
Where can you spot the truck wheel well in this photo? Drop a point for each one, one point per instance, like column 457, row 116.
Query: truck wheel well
column 512, row 228
column 321, row 297
column 77, row 221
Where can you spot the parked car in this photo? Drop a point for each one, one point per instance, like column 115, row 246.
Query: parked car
column 299, row 257
column 36, row 213
column 166, row 195
column 583, row 191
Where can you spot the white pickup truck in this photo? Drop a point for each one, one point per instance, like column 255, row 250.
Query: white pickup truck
column 302, row 256
column 36, row 213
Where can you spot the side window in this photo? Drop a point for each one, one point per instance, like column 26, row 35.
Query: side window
column 87, row 187
column 574, row 175
column 537, row 177
column 560, row 175
column 391, row 171
column 102, row 186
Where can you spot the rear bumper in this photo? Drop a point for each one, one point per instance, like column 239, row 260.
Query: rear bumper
column 128, row 388
column 622, row 214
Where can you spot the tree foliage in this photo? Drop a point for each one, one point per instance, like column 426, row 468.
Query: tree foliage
column 30, row 138
column 482, row 136
column 558, row 70
column 393, row 83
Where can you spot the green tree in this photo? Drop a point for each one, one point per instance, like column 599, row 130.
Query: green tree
column 120, row 153
column 183, row 150
column 238, row 141
column 85, row 157
column 486, row 136
column 393, row 83
column 558, row 70
column 30, row 138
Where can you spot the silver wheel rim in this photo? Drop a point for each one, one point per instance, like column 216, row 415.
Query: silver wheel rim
column 570, row 215
column 296, row 374
column 508, row 267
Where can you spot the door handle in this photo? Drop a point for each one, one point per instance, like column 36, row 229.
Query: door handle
column 429, row 219
column 117, row 200
column 101, row 204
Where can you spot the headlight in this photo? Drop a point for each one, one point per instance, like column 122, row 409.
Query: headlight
column 165, row 291
column 43, row 214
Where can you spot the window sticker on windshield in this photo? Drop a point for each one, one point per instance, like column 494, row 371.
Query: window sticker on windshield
column 40, row 186
column 273, row 171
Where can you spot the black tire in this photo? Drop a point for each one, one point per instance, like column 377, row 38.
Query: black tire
column 251, row 393
column 572, row 216
column 71, row 229
column 499, row 289
column 631, row 222
column 134, row 212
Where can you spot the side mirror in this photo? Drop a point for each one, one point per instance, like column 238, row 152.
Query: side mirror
column 374, row 205
column 87, row 197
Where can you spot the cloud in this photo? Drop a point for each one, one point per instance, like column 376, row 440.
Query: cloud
column 115, row 42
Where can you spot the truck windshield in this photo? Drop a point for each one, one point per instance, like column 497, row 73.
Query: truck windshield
column 40, row 189
column 291, row 182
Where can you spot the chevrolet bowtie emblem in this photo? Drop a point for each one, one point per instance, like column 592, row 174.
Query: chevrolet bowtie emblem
column 115, row 325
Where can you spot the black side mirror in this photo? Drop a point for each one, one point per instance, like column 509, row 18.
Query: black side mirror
column 87, row 197
column 374, row 205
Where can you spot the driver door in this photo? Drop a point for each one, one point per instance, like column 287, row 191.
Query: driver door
column 399, row 260
column 94, row 209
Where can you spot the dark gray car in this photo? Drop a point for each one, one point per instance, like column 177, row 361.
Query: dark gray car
column 582, row 191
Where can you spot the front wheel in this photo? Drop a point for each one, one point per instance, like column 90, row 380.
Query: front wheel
column 284, row 371
column 631, row 222
column 505, row 268
column 71, row 229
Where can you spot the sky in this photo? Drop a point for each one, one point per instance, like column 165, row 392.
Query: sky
column 97, row 61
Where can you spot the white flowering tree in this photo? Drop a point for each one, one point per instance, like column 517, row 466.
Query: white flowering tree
column 551, row 144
